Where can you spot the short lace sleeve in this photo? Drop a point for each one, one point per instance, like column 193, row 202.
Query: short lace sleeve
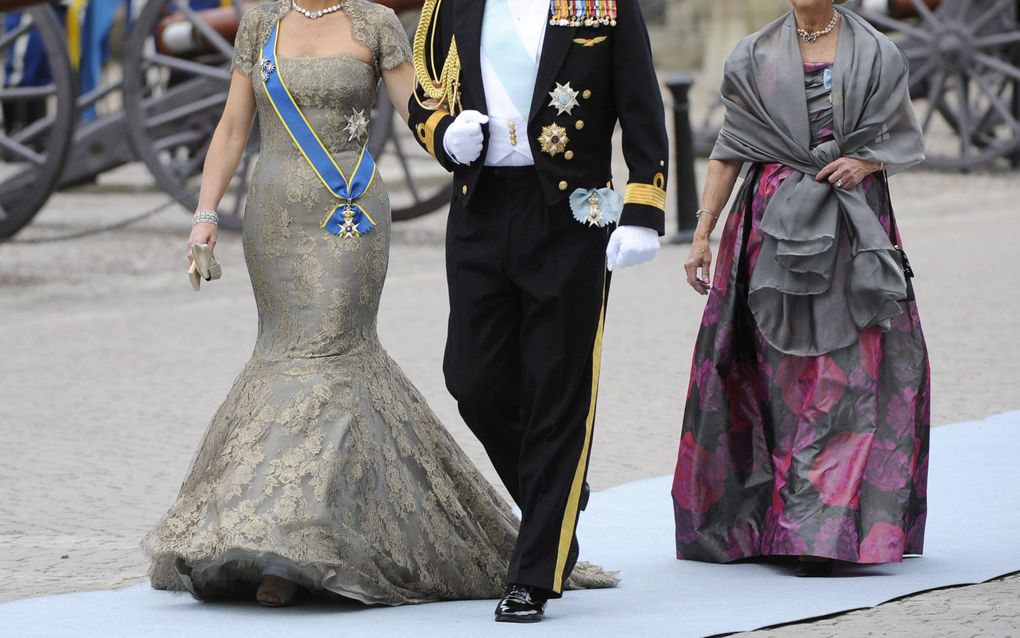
column 245, row 44
column 392, row 46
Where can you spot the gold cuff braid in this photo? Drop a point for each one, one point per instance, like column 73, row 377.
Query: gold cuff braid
column 427, row 131
column 645, row 194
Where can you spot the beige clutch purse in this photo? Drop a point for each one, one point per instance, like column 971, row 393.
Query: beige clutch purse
column 203, row 266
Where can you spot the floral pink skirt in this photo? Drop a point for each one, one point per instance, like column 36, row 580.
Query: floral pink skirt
column 784, row 455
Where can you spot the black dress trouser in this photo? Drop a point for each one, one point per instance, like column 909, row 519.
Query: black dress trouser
column 528, row 285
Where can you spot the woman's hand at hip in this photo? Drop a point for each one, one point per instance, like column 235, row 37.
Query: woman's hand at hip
column 847, row 172
column 202, row 233
column 700, row 258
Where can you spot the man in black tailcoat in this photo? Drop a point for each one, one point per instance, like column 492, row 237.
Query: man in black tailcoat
column 520, row 99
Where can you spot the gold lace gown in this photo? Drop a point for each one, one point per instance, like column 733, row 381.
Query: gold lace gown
column 324, row 457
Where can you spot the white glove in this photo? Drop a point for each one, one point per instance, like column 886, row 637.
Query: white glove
column 463, row 138
column 630, row 246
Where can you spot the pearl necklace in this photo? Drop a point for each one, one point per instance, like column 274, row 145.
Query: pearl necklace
column 810, row 37
column 311, row 15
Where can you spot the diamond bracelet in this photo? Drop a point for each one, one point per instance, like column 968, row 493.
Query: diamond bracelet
column 205, row 217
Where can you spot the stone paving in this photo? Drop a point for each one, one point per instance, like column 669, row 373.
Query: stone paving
column 110, row 367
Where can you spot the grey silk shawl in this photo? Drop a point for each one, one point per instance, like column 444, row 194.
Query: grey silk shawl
column 827, row 269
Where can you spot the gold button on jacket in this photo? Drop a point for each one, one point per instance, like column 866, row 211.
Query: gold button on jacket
column 563, row 186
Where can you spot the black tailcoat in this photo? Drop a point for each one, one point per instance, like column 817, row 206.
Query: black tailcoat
column 527, row 281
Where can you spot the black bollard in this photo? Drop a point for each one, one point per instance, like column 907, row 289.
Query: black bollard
column 685, row 184
column 1014, row 159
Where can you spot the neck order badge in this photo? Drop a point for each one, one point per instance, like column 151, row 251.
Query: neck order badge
column 347, row 218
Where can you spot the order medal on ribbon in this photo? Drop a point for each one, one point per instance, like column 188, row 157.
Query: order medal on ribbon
column 347, row 218
column 598, row 207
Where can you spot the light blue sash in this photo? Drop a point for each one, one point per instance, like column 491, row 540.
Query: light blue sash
column 348, row 218
column 517, row 70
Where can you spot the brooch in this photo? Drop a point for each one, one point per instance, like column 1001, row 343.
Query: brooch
column 553, row 139
column 267, row 67
column 357, row 125
column 564, row 98
column 596, row 206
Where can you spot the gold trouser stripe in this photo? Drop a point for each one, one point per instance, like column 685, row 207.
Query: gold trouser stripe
column 574, row 498
column 430, row 131
column 645, row 194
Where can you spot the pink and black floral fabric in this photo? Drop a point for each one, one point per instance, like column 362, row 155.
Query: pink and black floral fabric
column 800, row 455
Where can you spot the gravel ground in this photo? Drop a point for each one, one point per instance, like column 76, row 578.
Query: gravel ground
column 111, row 367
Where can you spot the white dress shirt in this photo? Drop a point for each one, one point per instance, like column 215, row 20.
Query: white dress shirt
column 529, row 20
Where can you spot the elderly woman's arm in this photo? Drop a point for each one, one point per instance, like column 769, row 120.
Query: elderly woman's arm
column 722, row 176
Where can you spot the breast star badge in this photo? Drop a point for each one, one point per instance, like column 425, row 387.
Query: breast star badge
column 357, row 125
column 564, row 98
column 553, row 139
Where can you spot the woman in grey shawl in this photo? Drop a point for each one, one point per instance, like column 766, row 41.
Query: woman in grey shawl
column 806, row 427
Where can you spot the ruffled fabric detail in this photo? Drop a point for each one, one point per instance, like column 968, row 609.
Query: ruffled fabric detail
column 826, row 264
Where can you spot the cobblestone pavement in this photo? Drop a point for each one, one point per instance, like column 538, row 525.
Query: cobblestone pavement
column 110, row 368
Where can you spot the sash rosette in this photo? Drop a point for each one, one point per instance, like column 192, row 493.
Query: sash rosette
column 347, row 218
column 827, row 269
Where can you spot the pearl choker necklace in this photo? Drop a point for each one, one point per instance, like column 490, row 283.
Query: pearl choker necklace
column 814, row 35
column 311, row 15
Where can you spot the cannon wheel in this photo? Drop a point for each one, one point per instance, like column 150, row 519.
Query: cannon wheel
column 33, row 150
column 173, row 106
column 964, row 77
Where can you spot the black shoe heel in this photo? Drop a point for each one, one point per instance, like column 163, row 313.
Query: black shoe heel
column 813, row 569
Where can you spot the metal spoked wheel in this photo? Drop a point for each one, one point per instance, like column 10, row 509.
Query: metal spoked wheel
column 964, row 76
column 173, row 103
column 37, row 122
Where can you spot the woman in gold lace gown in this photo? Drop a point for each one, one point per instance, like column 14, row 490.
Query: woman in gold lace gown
column 324, row 468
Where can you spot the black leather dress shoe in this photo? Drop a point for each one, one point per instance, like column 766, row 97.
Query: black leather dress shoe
column 585, row 495
column 520, row 604
column 814, row 568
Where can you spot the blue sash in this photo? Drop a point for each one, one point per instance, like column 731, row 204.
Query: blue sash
column 348, row 218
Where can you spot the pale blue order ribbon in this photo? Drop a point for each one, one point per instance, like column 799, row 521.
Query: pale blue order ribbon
column 610, row 204
column 516, row 69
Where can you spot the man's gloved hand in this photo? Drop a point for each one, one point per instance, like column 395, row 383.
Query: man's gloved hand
column 463, row 138
column 630, row 246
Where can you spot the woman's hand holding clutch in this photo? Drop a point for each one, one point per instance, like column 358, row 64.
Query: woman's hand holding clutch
column 201, row 243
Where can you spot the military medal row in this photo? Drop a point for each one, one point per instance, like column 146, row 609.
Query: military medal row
column 588, row 13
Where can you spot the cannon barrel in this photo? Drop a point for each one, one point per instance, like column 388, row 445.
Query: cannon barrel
column 176, row 35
